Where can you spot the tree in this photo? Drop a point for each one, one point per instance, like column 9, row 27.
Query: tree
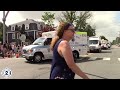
column 81, row 20
column 48, row 28
column 113, row 42
column 48, row 17
column 117, row 40
column 68, row 16
column 90, row 31
column 103, row 37
column 78, row 20
column 1, row 31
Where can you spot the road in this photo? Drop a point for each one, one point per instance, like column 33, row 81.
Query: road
column 104, row 65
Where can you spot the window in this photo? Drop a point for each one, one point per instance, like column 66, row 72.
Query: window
column 48, row 41
column 18, row 35
column 27, row 26
column 38, row 41
column 13, row 28
column 13, row 35
column 20, row 27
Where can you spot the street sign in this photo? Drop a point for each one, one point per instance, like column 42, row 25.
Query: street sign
column 23, row 38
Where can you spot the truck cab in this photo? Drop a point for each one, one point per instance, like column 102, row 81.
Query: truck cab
column 95, row 44
column 39, row 50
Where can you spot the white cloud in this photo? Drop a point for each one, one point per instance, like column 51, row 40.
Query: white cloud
column 12, row 17
column 17, row 16
column 106, row 23
column 36, row 15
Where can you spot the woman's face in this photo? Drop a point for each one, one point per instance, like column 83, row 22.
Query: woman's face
column 70, row 32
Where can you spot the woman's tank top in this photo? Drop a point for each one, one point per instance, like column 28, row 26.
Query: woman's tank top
column 59, row 68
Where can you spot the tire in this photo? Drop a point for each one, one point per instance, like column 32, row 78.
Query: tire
column 37, row 58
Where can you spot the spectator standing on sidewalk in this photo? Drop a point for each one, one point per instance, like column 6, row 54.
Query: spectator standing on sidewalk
column 1, row 50
column 4, row 49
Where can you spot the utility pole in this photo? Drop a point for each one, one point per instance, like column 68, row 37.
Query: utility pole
column 4, row 29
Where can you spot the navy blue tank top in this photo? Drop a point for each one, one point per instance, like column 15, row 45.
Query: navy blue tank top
column 59, row 68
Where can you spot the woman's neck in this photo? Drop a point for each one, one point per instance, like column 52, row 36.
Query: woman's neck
column 65, row 38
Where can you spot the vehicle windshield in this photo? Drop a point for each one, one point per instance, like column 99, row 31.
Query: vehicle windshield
column 38, row 41
column 93, row 41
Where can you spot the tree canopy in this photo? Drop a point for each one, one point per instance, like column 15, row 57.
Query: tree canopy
column 79, row 19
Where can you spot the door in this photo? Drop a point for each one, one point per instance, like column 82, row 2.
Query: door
column 47, row 46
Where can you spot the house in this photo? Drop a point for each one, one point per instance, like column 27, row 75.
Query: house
column 31, row 28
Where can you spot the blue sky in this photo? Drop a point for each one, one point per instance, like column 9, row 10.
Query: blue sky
column 107, row 22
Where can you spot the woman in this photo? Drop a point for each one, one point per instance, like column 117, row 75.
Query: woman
column 63, row 65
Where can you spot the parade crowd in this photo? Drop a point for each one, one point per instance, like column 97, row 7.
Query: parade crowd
column 10, row 50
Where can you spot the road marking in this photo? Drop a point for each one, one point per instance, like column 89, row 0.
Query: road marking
column 83, row 55
column 118, row 59
column 105, row 58
column 102, row 58
column 92, row 58
column 97, row 58
column 90, row 53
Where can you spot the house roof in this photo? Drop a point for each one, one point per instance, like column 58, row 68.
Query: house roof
column 27, row 21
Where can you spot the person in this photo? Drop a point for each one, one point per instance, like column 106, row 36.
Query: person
column 63, row 65
column 1, row 50
column 9, row 51
column 4, row 49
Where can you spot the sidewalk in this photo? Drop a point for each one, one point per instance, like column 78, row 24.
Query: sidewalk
column 11, row 58
column 114, row 46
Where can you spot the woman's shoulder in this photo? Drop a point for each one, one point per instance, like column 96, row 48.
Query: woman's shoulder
column 64, row 43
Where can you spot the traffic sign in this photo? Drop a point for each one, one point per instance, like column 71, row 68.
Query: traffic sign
column 23, row 37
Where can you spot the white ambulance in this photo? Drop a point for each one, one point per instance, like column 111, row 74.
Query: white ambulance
column 40, row 49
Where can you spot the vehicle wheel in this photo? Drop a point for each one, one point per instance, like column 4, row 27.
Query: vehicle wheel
column 75, row 55
column 37, row 58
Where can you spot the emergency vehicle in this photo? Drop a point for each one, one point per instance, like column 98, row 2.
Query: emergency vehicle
column 40, row 49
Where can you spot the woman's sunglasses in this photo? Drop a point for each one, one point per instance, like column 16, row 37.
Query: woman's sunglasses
column 72, row 30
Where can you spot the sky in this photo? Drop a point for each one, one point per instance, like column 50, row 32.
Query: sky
column 107, row 23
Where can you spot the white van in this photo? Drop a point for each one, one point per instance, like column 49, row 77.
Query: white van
column 40, row 49
column 95, row 44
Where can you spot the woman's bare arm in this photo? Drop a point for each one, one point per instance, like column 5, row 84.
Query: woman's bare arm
column 66, row 52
